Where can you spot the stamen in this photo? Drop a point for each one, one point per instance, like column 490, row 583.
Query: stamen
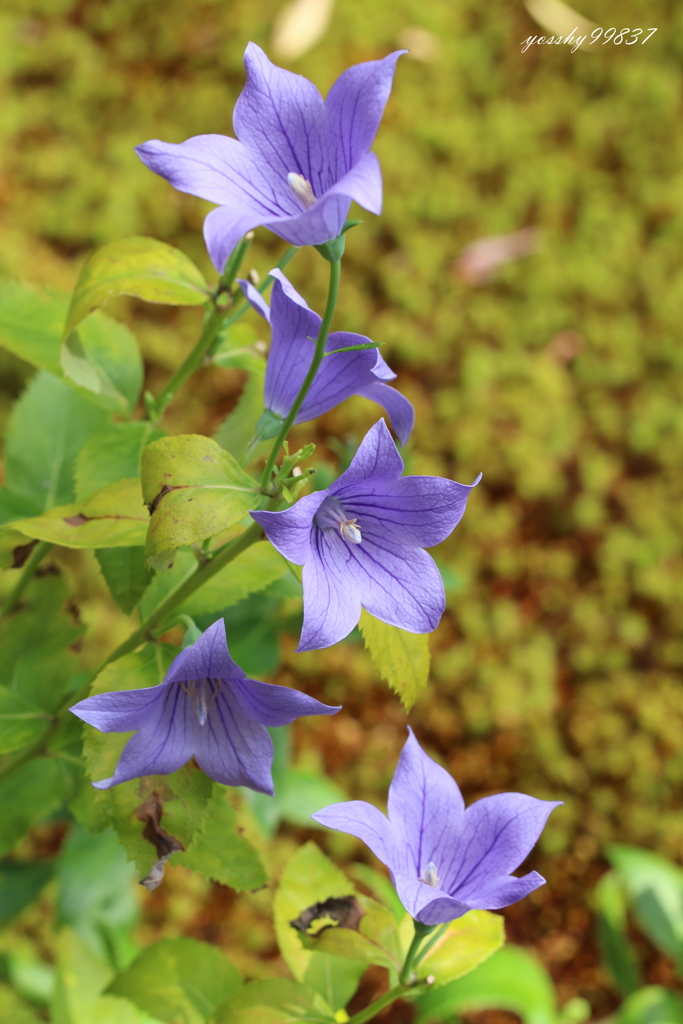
column 431, row 877
column 196, row 689
column 202, row 709
column 350, row 531
column 301, row 189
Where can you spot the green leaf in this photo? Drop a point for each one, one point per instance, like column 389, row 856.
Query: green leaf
column 31, row 322
column 236, row 350
column 651, row 1005
column 238, row 428
column 275, row 1001
column 15, row 548
column 310, row 878
column 14, row 1009
column 401, row 658
column 252, row 571
column 179, row 980
column 27, row 796
column 220, row 852
column 617, row 952
column 112, row 454
column 21, row 884
column 466, row 943
column 376, row 941
column 114, row 517
column 144, row 267
column 655, row 891
column 21, row 721
column 512, row 979
column 126, row 575
column 195, row 490
column 47, row 429
column 103, row 357
column 380, row 886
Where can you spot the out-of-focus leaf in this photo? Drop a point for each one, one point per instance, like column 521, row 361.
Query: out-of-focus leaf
column 103, row 357
column 655, row 892
column 238, row 348
column 401, row 658
column 15, row 548
column 617, row 952
column 238, row 428
column 47, row 429
column 126, row 574
column 111, row 455
column 310, row 878
column 651, row 1005
column 33, row 978
column 195, row 489
column 252, row 571
column 375, row 941
column 144, row 267
column 21, row 721
column 27, row 796
column 466, row 943
column 299, row 25
column 275, row 1001
column 220, row 852
column 14, row 1009
column 380, row 886
column 31, row 321
column 20, row 884
column 512, row 979
column 114, row 517
column 179, row 980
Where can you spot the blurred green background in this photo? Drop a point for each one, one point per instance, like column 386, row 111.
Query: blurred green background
column 556, row 669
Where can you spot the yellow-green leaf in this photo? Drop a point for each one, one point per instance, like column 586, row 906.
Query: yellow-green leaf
column 466, row 943
column 113, row 517
column 252, row 571
column 401, row 658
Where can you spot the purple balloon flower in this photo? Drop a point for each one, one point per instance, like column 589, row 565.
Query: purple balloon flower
column 361, row 544
column 444, row 859
column 297, row 162
column 206, row 708
column 340, row 375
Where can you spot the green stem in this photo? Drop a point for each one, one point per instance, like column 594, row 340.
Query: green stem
column 428, row 945
column 420, row 931
column 333, row 291
column 371, row 1011
column 27, row 573
column 192, row 362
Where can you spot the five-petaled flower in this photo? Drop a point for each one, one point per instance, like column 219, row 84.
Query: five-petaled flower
column 444, row 859
column 206, row 707
column 297, row 161
column 341, row 374
column 361, row 544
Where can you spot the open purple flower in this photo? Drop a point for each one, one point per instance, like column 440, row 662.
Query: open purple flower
column 444, row 859
column 340, row 375
column 297, row 162
column 206, row 708
column 361, row 544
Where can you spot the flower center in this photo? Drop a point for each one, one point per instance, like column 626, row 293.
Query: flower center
column 430, row 875
column 301, row 189
column 203, row 693
column 332, row 515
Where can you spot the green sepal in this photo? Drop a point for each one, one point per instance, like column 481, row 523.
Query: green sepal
column 268, row 425
column 334, row 250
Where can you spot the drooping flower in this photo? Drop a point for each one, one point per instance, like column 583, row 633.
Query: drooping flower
column 444, row 859
column 340, row 375
column 297, row 161
column 361, row 543
column 206, row 707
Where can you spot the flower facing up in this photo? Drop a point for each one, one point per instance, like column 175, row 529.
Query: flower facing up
column 340, row 375
column 444, row 859
column 361, row 544
column 206, row 708
column 297, row 161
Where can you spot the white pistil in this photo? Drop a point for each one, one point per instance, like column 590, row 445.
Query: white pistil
column 301, row 189
column 350, row 531
column 431, row 876
column 202, row 710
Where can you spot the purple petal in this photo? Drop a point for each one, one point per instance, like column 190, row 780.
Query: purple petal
column 291, row 351
column 164, row 741
column 360, row 819
column 396, row 405
column 377, row 456
column 288, row 289
column 340, row 375
column 362, row 183
column 499, row 833
column 320, row 224
column 428, row 905
column 331, row 596
column 290, row 531
column 501, row 892
column 224, row 227
column 278, row 705
column 355, row 105
column 381, row 369
column 426, row 809
column 402, row 587
column 281, row 118
column 207, row 658
column 231, row 747
column 119, row 711
column 254, row 298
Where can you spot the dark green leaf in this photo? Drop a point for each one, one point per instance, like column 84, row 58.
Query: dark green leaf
column 401, row 658
column 21, row 721
column 144, row 267
column 220, row 852
column 617, row 953
column 20, row 884
column 126, row 574
column 29, row 795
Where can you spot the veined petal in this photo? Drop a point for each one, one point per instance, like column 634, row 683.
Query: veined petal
column 362, row 183
column 331, row 595
column 277, row 705
column 377, row 456
column 290, row 531
column 207, row 658
column 224, row 227
column 355, row 105
column 288, row 289
column 501, row 892
column 381, row 369
column 427, row 905
column 231, row 747
column 120, row 710
column 399, row 410
column 340, row 376
column 254, row 298
column 401, row 587
column 426, row 808
column 360, row 819
column 317, row 225
column 291, row 351
column 281, row 118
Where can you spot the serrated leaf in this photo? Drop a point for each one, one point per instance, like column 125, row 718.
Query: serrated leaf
column 401, row 658
column 103, row 357
column 220, row 852
column 310, row 877
column 144, row 267
column 195, row 490
column 466, row 943
column 376, row 941
column 126, row 575
column 112, row 454
column 275, row 1001
column 113, row 517
column 179, row 980
column 252, row 571
column 21, row 721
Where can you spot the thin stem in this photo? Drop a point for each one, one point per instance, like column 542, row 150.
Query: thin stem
column 428, row 945
column 27, row 574
column 192, row 362
column 335, row 270
column 406, row 970
column 371, row 1011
